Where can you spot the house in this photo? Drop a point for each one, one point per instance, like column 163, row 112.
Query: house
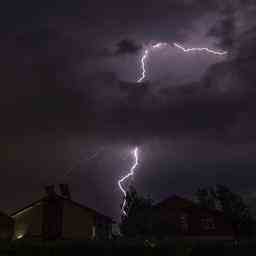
column 59, row 217
column 6, row 227
column 182, row 217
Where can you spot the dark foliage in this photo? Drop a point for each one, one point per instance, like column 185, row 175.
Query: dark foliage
column 206, row 198
column 142, row 220
column 138, row 218
column 232, row 205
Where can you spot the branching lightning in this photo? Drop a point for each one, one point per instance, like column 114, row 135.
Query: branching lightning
column 143, row 60
column 130, row 173
column 177, row 45
column 199, row 50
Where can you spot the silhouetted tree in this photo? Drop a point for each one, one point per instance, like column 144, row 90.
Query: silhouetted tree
column 206, row 198
column 232, row 205
column 138, row 218
column 142, row 219
column 236, row 210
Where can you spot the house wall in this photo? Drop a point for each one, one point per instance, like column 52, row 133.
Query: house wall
column 6, row 227
column 221, row 226
column 56, row 218
column 77, row 222
column 190, row 220
column 52, row 218
column 28, row 223
column 169, row 221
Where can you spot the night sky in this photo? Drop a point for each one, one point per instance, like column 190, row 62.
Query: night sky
column 71, row 110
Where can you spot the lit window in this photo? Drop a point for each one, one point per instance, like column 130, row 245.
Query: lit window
column 93, row 232
column 19, row 236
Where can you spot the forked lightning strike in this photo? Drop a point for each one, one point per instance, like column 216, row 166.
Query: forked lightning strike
column 142, row 77
column 179, row 46
column 130, row 173
column 144, row 57
column 199, row 50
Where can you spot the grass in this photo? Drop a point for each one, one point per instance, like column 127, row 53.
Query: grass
column 126, row 247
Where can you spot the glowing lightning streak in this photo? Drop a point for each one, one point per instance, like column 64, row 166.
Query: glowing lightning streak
column 131, row 172
column 199, row 50
column 143, row 75
column 144, row 57
column 179, row 46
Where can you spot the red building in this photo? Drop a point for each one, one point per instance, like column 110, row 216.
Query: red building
column 181, row 217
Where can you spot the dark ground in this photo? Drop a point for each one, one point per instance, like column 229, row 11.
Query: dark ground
column 125, row 247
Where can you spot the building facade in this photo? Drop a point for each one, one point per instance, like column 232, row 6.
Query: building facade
column 181, row 217
column 59, row 217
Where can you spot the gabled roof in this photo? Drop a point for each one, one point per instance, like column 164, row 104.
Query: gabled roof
column 27, row 207
column 180, row 203
column 175, row 202
column 64, row 199
column 86, row 208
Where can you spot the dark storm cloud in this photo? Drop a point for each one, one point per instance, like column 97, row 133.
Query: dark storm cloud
column 210, row 106
column 60, row 96
column 245, row 46
column 39, row 91
column 127, row 46
column 235, row 19
column 225, row 30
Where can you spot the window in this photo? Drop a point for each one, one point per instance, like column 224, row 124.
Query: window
column 208, row 223
column 184, row 222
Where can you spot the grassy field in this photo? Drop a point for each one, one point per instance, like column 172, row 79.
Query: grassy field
column 124, row 247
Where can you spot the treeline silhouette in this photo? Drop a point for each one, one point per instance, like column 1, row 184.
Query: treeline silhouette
column 141, row 220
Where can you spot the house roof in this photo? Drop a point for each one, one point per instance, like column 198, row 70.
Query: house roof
column 87, row 208
column 177, row 202
column 64, row 199
column 2, row 214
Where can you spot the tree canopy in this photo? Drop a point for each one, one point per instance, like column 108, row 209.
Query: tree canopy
column 232, row 205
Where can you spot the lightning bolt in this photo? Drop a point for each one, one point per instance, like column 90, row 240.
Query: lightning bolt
column 129, row 174
column 199, row 50
column 148, row 50
column 143, row 59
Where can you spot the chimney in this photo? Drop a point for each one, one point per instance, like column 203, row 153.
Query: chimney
column 50, row 190
column 64, row 191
